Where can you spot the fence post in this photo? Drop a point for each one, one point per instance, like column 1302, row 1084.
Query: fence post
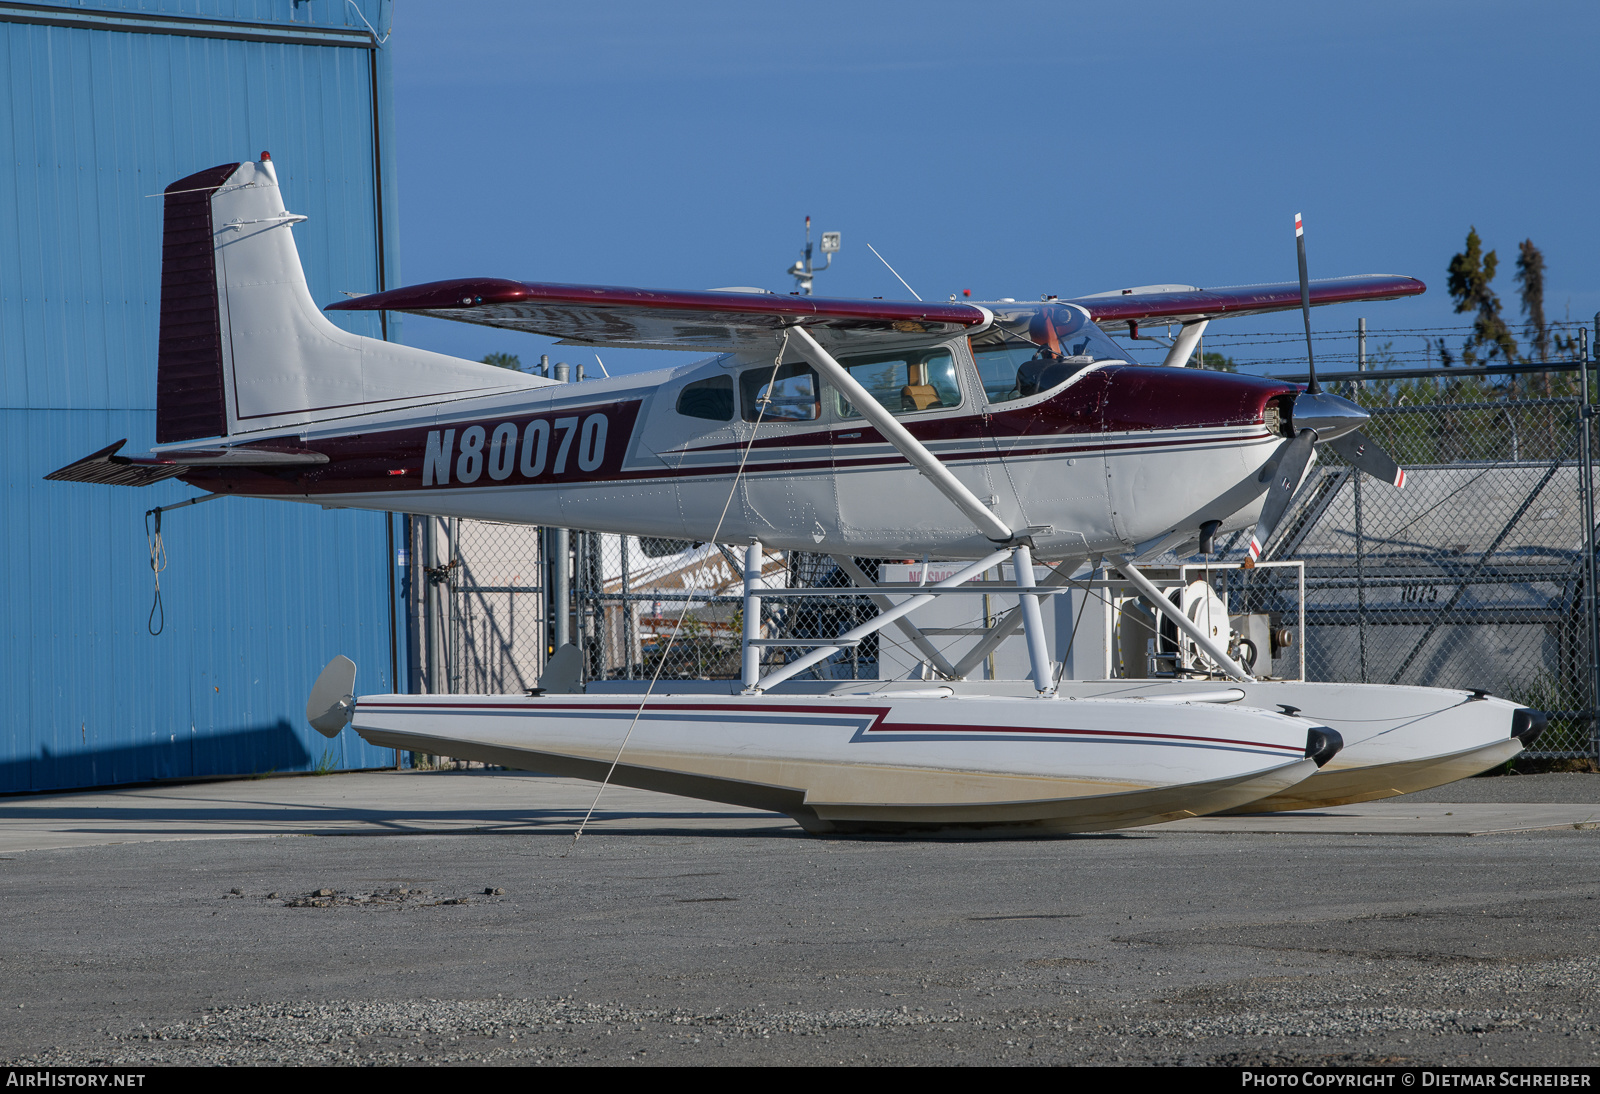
column 416, row 604
column 452, row 606
column 435, row 605
column 1361, row 578
column 558, row 597
column 630, row 647
column 1586, row 493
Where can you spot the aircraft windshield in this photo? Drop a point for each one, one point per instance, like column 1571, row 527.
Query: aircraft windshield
column 1035, row 347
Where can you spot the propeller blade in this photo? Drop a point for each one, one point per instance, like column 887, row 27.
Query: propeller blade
column 1293, row 455
column 1362, row 452
column 1305, row 304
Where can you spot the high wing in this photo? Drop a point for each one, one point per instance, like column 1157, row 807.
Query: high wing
column 608, row 315
column 1179, row 304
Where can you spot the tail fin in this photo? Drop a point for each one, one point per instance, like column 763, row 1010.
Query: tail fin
column 243, row 346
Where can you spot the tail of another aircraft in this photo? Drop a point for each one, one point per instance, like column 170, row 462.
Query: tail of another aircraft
column 243, row 346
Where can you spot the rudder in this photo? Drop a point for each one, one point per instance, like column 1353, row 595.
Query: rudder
column 189, row 395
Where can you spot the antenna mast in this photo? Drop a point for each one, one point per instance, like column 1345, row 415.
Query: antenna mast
column 802, row 271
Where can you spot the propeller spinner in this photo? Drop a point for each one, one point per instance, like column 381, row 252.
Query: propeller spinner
column 1316, row 417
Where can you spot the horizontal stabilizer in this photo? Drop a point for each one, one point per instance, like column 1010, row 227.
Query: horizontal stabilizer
column 106, row 467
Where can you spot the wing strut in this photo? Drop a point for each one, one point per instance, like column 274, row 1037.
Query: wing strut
column 899, row 436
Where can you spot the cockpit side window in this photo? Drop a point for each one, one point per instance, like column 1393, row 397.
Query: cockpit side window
column 792, row 395
column 1034, row 348
column 711, row 399
column 905, row 382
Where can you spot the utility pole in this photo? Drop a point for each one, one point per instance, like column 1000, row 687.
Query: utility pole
column 1361, row 352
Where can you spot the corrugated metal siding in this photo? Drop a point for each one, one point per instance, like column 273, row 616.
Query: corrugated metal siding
column 258, row 595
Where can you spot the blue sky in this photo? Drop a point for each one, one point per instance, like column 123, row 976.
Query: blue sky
column 1010, row 148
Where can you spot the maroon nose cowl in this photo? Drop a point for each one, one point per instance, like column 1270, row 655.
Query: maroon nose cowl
column 1158, row 397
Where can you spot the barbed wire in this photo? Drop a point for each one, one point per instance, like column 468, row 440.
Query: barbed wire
column 1338, row 350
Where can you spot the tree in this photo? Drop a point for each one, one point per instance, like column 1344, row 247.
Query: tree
column 1218, row 363
column 1530, row 282
column 1546, row 342
column 504, row 360
column 1470, row 275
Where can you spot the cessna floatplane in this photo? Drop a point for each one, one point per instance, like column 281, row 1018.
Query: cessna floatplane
column 978, row 434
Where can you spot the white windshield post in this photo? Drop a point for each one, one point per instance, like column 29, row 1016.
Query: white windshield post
column 854, row 635
column 751, row 653
column 896, row 434
column 1181, row 621
column 1183, row 345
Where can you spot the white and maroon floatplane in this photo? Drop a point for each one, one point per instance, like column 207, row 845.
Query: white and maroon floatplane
column 973, row 433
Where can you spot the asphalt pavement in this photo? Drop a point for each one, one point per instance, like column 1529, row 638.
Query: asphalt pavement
column 451, row 917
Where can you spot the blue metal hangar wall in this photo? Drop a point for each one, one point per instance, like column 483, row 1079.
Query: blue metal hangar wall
column 106, row 103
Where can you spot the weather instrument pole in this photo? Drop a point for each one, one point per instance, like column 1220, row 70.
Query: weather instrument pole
column 802, row 271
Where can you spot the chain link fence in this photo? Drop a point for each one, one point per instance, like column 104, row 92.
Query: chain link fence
column 498, row 621
column 1472, row 576
column 673, row 610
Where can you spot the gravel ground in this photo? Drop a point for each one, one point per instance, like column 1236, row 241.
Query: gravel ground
column 749, row 947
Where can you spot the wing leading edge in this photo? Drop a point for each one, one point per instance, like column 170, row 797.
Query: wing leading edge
column 610, row 315
column 1166, row 304
column 660, row 318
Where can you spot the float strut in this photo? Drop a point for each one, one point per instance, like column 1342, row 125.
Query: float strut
column 752, row 614
column 1044, row 679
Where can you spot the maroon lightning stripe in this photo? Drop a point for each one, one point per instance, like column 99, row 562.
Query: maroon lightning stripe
column 877, row 715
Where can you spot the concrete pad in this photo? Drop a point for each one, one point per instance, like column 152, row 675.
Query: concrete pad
column 361, row 803
column 518, row 803
column 1399, row 817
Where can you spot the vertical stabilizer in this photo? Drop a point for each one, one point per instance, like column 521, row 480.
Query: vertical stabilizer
column 189, row 401
column 245, row 349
